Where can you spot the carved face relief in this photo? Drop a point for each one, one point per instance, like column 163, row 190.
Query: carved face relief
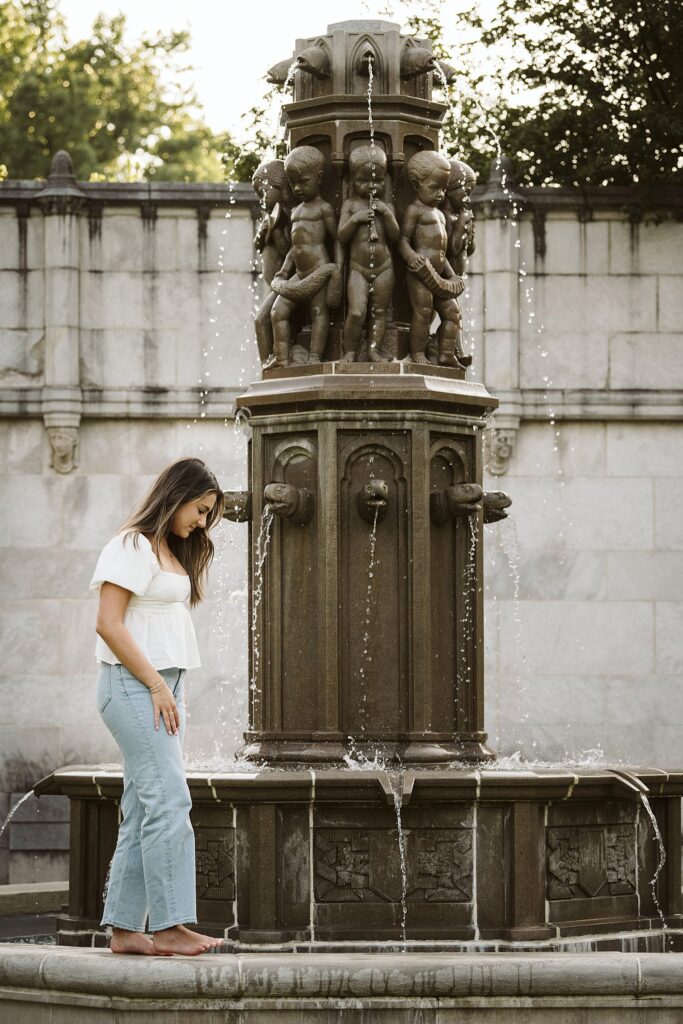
column 500, row 448
column 64, row 447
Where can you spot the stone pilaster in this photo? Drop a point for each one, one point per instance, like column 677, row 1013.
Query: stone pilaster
column 61, row 202
column 502, row 207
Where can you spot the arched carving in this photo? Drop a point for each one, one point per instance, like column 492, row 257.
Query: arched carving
column 356, row 66
column 451, row 574
column 292, row 656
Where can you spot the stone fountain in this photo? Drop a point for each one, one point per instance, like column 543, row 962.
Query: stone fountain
column 369, row 808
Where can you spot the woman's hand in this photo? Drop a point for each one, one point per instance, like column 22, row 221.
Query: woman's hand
column 165, row 707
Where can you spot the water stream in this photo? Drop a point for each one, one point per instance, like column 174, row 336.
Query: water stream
column 661, row 861
column 262, row 545
column 373, row 236
column 14, row 810
column 466, row 619
column 395, row 780
column 510, row 546
column 366, row 657
column 279, row 133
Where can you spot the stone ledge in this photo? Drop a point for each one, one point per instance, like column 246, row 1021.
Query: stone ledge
column 33, row 898
column 330, row 978
column 163, row 193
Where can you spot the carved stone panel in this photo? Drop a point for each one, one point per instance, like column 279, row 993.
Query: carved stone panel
column 453, row 609
column 290, row 644
column 353, row 865
column 589, row 862
column 374, row 586
column 215, row 859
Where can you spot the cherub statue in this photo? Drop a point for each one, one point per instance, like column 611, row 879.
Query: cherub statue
column 272, row 241
column 457, row 209
column 316, row 279
column 368, row 226
column 432, row 283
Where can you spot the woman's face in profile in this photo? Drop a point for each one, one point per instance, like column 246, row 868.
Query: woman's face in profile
column 192, row 515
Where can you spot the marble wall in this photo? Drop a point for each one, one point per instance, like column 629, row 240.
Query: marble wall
column 125, row 319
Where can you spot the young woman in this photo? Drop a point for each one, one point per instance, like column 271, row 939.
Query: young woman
column 146, row 576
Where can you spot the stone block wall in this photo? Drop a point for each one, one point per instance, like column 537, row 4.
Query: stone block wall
column 125, row 334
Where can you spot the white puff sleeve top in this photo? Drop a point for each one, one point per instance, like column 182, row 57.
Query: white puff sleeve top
column 157, row 617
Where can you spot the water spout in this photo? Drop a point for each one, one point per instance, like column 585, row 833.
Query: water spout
column 372, row 501
column 456, row 500
column 289, row 502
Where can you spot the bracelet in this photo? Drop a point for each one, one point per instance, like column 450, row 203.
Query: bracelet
column 155, row 689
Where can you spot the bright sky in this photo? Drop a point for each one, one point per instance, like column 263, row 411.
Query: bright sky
column 234, row 42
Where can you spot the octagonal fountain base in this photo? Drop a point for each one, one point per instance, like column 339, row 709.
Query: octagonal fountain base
column 440, row 859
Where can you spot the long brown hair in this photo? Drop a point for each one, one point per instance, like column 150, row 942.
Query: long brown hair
column 182, row 481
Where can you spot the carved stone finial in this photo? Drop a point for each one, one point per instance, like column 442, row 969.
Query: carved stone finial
column 61, row 193
column 64, row 448
column 62, row 171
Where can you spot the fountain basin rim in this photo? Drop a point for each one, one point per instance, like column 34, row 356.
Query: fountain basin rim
column 451, row 785
column 32, row 971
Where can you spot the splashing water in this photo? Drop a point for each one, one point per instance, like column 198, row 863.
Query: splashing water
column 366, row 656
column 262, row 545
column 358, row 761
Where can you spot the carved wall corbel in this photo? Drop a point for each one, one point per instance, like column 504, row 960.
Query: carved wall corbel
column 500, row 443
column 61, row 408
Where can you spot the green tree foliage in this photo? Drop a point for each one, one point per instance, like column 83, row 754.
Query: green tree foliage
column 103, row 99
column 584, row 92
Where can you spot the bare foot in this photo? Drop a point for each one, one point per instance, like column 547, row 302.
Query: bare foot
column 131, row 942
column 181, row 941
column 212, row 941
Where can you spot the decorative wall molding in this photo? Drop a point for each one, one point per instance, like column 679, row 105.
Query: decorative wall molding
column 173, row 403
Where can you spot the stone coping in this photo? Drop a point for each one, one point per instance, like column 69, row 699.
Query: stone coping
column 225, row 978
column 162, row 193
column 190, row 194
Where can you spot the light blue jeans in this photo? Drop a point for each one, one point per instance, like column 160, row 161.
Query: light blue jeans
column 153, row 868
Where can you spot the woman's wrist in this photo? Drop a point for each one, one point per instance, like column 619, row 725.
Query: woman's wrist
column 155, row 687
